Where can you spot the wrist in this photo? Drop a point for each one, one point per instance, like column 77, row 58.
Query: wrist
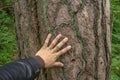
column 40, row 61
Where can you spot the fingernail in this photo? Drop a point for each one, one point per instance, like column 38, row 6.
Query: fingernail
column 69, row 47
column 49, row 34
column 62, row 65
column 60, row 34
column 65, row 39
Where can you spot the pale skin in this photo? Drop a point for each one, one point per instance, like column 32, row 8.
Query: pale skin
column 50, row 53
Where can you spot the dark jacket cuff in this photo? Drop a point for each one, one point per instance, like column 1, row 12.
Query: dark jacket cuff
column 40, row 61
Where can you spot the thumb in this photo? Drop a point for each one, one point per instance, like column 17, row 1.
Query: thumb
column 58, row 64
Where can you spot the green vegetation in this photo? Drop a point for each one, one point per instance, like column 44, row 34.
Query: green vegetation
column 7, row 35
column 115, row 67
column 8, row 41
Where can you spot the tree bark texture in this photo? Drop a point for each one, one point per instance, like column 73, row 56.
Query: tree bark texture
column 85, row 22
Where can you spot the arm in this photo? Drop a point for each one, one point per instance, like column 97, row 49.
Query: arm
column 25, row 69
column 28, row 69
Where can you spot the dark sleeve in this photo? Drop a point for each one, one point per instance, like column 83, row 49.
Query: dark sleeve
column 24, row 69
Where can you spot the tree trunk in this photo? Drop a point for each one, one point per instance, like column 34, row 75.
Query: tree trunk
column 85, row 22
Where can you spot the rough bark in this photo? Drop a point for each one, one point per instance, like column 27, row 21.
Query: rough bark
column 85, row 22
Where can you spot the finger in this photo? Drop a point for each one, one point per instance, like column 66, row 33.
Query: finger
column 47, row 40
column 55, row 41
column 57, row 47
column 63, row 51
column 58, row 64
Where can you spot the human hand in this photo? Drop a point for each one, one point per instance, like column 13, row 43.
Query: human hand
column 50, row 53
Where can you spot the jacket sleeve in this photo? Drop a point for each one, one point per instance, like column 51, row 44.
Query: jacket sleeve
column 24, row 69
